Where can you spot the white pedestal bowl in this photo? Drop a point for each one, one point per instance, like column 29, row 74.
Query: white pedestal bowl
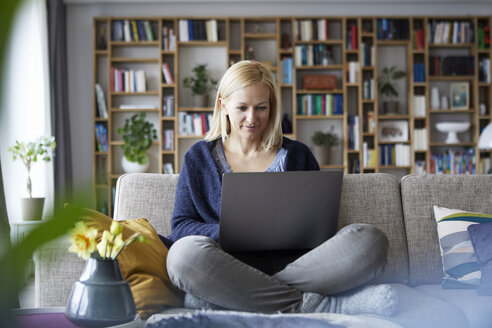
column 452, row 129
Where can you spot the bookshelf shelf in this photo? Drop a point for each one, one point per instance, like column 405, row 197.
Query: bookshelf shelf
column 451, row 78
column 134, row 43
column 134, row 60
column 320, row 67
column 202, row 44
column 277, row 41
column 196, row 109
column 319, row 91
column 319, row 117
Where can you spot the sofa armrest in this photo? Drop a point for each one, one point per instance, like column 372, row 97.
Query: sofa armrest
column 56, row 270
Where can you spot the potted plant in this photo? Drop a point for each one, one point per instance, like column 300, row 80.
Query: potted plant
column 28, row 153
column 323, row 143
column 138, row 135
column 200, row 84
column 388, row 88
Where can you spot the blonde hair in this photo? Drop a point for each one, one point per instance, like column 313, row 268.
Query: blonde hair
column 239, row 76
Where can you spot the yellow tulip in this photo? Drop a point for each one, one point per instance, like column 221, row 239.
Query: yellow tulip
column 116, row 228
column 109, row 245
column 83, row 240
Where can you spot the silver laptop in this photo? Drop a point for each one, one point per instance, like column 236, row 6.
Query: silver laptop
column 278, row 210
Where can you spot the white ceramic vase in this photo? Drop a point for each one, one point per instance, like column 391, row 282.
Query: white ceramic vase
column 435, row 98
column 444, row 102
column 133, row 167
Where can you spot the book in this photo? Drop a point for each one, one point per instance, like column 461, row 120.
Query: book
column 102, row 109
column 168, row 78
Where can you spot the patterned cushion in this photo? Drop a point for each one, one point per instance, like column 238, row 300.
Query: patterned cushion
column 481, row 238
column 460, row 265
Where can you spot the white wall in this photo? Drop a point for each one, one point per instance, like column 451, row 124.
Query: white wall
column 79, row 34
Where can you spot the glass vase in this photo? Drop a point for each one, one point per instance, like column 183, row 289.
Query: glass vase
column 101, row 297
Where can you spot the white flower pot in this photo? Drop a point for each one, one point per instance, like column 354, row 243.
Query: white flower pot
column 133, row 167
column 32, row 208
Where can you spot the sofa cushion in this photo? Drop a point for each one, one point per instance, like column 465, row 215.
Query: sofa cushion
column 148, row 195
column 419, row 310
column 375, row 199
column 477, row 309
column 143, row 265
column 419, row 194
column 481, row 238
column 460, row 265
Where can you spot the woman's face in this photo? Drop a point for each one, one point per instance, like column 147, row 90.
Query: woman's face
column 248, row 109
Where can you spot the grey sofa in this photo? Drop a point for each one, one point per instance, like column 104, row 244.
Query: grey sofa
column 402, row 209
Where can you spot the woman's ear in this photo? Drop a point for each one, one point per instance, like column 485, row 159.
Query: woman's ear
column 222, row 106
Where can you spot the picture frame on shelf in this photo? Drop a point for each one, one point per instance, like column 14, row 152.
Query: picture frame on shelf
column 459, row 95
column 393, row 131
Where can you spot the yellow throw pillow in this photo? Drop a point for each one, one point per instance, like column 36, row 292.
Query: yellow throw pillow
column 143, row 264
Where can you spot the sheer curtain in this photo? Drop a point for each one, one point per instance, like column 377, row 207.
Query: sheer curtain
column 25, row 113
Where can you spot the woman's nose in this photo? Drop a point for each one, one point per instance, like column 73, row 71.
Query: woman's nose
column 250, row 114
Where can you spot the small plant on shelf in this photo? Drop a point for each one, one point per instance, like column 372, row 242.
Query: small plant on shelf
column 200, row 83
column 388, row 88
column 323, row 143
column 138, row 135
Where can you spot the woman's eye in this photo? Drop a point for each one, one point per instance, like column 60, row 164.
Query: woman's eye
column 262, row 107
column 242, row 108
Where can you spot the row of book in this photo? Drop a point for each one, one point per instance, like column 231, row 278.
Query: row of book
column 368, row 89
column 194, row 124
column 168, row 38
column 395, row 155
column 198, row 30
column 447, row 32
column 287, row 70
column 484, row 70
column 368, row 54
column 166, row 73
column 127, row 80
column 418, row 39
column 418, row 72
column 320, row 104
column 309, row 55
column 420, row 139
column 369, row 157
column 392, row 29
column 483, row 37
column 168, row 139
column 101, row 131
column 102, row 109
column 312, row 29
column 168, row 105
column 451, row 65
column 353, row 132
column 454, row 162
column 132, row 30
column 352, row 36
column 419, row 107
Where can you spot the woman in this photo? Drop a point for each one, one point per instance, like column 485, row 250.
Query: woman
column 246, row 136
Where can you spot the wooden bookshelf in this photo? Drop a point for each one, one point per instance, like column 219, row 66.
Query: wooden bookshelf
column 334, row 44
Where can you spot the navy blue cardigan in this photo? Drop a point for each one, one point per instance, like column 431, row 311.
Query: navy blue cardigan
column 198, row 193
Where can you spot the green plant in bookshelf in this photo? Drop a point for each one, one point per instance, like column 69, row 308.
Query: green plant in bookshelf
column 323, row 144
column 388, row 88
column 200, row 84
column 138, row 135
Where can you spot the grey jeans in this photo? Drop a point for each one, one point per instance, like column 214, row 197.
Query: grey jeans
column 354, row 256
